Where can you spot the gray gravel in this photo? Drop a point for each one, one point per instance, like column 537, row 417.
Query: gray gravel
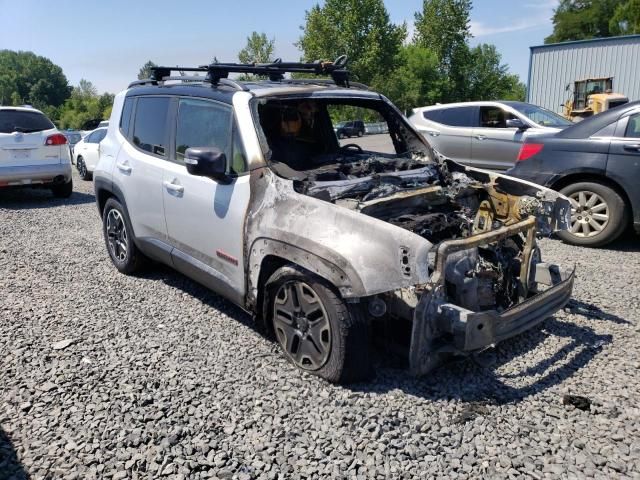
column 108, row 376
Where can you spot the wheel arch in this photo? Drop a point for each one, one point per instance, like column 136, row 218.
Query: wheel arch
column 578, row 177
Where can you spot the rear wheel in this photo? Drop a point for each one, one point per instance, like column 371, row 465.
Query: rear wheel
column 63, row 191
column 82, row 169
column 317, row 330
column 598, row 214
column 360, row 133
column 119, row 239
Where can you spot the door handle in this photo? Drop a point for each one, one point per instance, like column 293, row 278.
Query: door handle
column 433, row 133
column 123, row 167
column 481, row 137
column 172, row 187
column 634, row 147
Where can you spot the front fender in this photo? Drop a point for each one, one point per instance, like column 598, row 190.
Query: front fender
column 374, row 256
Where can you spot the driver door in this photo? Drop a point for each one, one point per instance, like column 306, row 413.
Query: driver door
column 494, row 145
column 205, row 218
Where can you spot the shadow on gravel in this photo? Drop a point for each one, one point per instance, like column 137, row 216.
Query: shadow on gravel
column 10, row 466
column 469, row 379
column 628, row 242
column 477, row 379
column 28, row 198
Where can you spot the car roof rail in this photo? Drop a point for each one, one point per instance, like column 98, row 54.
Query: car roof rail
column 218, row 73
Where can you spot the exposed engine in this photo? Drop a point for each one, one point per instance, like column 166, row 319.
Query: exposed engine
column 437, row 204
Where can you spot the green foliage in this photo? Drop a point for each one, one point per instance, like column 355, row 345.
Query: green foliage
column 360, row 29
column 488, row 79
column 84, row 105
column 626, row 19
column 145, row 70
column 259, row 49
column 26, row 78
column 583, row 19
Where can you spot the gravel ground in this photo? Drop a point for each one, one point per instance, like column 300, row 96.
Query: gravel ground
column 108, row 376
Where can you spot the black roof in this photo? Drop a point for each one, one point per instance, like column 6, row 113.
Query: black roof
column 591, row 125
column 221, row 93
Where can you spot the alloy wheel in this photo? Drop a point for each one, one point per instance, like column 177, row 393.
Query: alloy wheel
column 302, row 325
column 589, row 214
column 117, row 235
column 82, row 168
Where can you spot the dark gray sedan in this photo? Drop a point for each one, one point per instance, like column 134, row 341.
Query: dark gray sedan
column 596, row 163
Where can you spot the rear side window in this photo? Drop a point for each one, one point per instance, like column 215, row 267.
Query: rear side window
column 125, row 119
column 23, row 121
column 633, row 127
column 150, row 125
column 433, row 115
column 457, row 117
column 204, row 124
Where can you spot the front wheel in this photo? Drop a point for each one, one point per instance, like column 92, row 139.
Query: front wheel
column 118, row 237
column 598, row 214
column 318, row 331
column 82, row 169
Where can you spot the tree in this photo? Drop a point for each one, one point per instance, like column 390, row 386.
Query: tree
column 583, row 19
column 626, row 19
column 28, row 78
column 443, row 27
column 415, row 81
column 145, row 70
column 489, row 79
column 259, row 49
column 360, row 29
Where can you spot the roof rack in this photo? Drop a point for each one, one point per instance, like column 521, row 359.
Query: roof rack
column 218, row 73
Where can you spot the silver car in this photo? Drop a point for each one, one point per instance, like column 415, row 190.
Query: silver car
column 245, row 188
column 33, row 152
column 484, row 134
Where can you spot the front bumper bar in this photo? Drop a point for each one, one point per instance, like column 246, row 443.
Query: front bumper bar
column 470, row 331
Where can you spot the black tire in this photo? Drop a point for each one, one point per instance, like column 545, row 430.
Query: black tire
column 132, row 259
column 82, row 170
column 63, row 191
column 615, row 209
column 348, row 357
column 360, row 133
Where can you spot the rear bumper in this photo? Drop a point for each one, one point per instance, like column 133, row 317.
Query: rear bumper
column 35, row 174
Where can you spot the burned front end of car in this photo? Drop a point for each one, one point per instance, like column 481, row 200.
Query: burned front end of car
column 446, row 252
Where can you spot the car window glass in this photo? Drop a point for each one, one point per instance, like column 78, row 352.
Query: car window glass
column 633, row 126
column 100, row 134
column 90, row 138
column 433, row 115
column 457, row 117
column 125, row 119
column 203, row 124
column 370, row 134
column 238, row 162
column 494, row 117
column 607, row 131
column 149, row 128
column 23, row 121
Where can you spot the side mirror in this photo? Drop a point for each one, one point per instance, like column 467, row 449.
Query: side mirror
column 517, row 123
column 207, row 162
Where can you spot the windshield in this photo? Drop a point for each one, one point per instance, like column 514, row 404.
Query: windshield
column 299, row 135
column 23, row 121
column 541, row 116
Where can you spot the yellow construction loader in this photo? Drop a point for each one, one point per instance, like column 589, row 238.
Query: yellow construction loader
column 592, row 96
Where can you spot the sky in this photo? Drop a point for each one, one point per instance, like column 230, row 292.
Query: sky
column 107, row 42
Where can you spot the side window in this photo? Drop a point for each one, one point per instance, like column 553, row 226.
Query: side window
column 203, row 123
column 433, row 115
column 457, row 117
column 607, row 131
column 494, row 117
column 149, row 127
column 90, row 138
column 633, row 126
column 100, row 134
column 125, row 119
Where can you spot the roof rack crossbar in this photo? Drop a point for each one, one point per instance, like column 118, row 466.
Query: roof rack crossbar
column 275, row 71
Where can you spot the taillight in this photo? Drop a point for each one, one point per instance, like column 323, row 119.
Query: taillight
column 55, row 139
column 528, row 150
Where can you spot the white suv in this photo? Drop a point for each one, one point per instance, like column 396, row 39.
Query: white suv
column 245, row 188
column 33, row 152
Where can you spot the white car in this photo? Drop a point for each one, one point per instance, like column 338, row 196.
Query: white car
column 484, row 134
column 87, row 151
column 33, row 152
